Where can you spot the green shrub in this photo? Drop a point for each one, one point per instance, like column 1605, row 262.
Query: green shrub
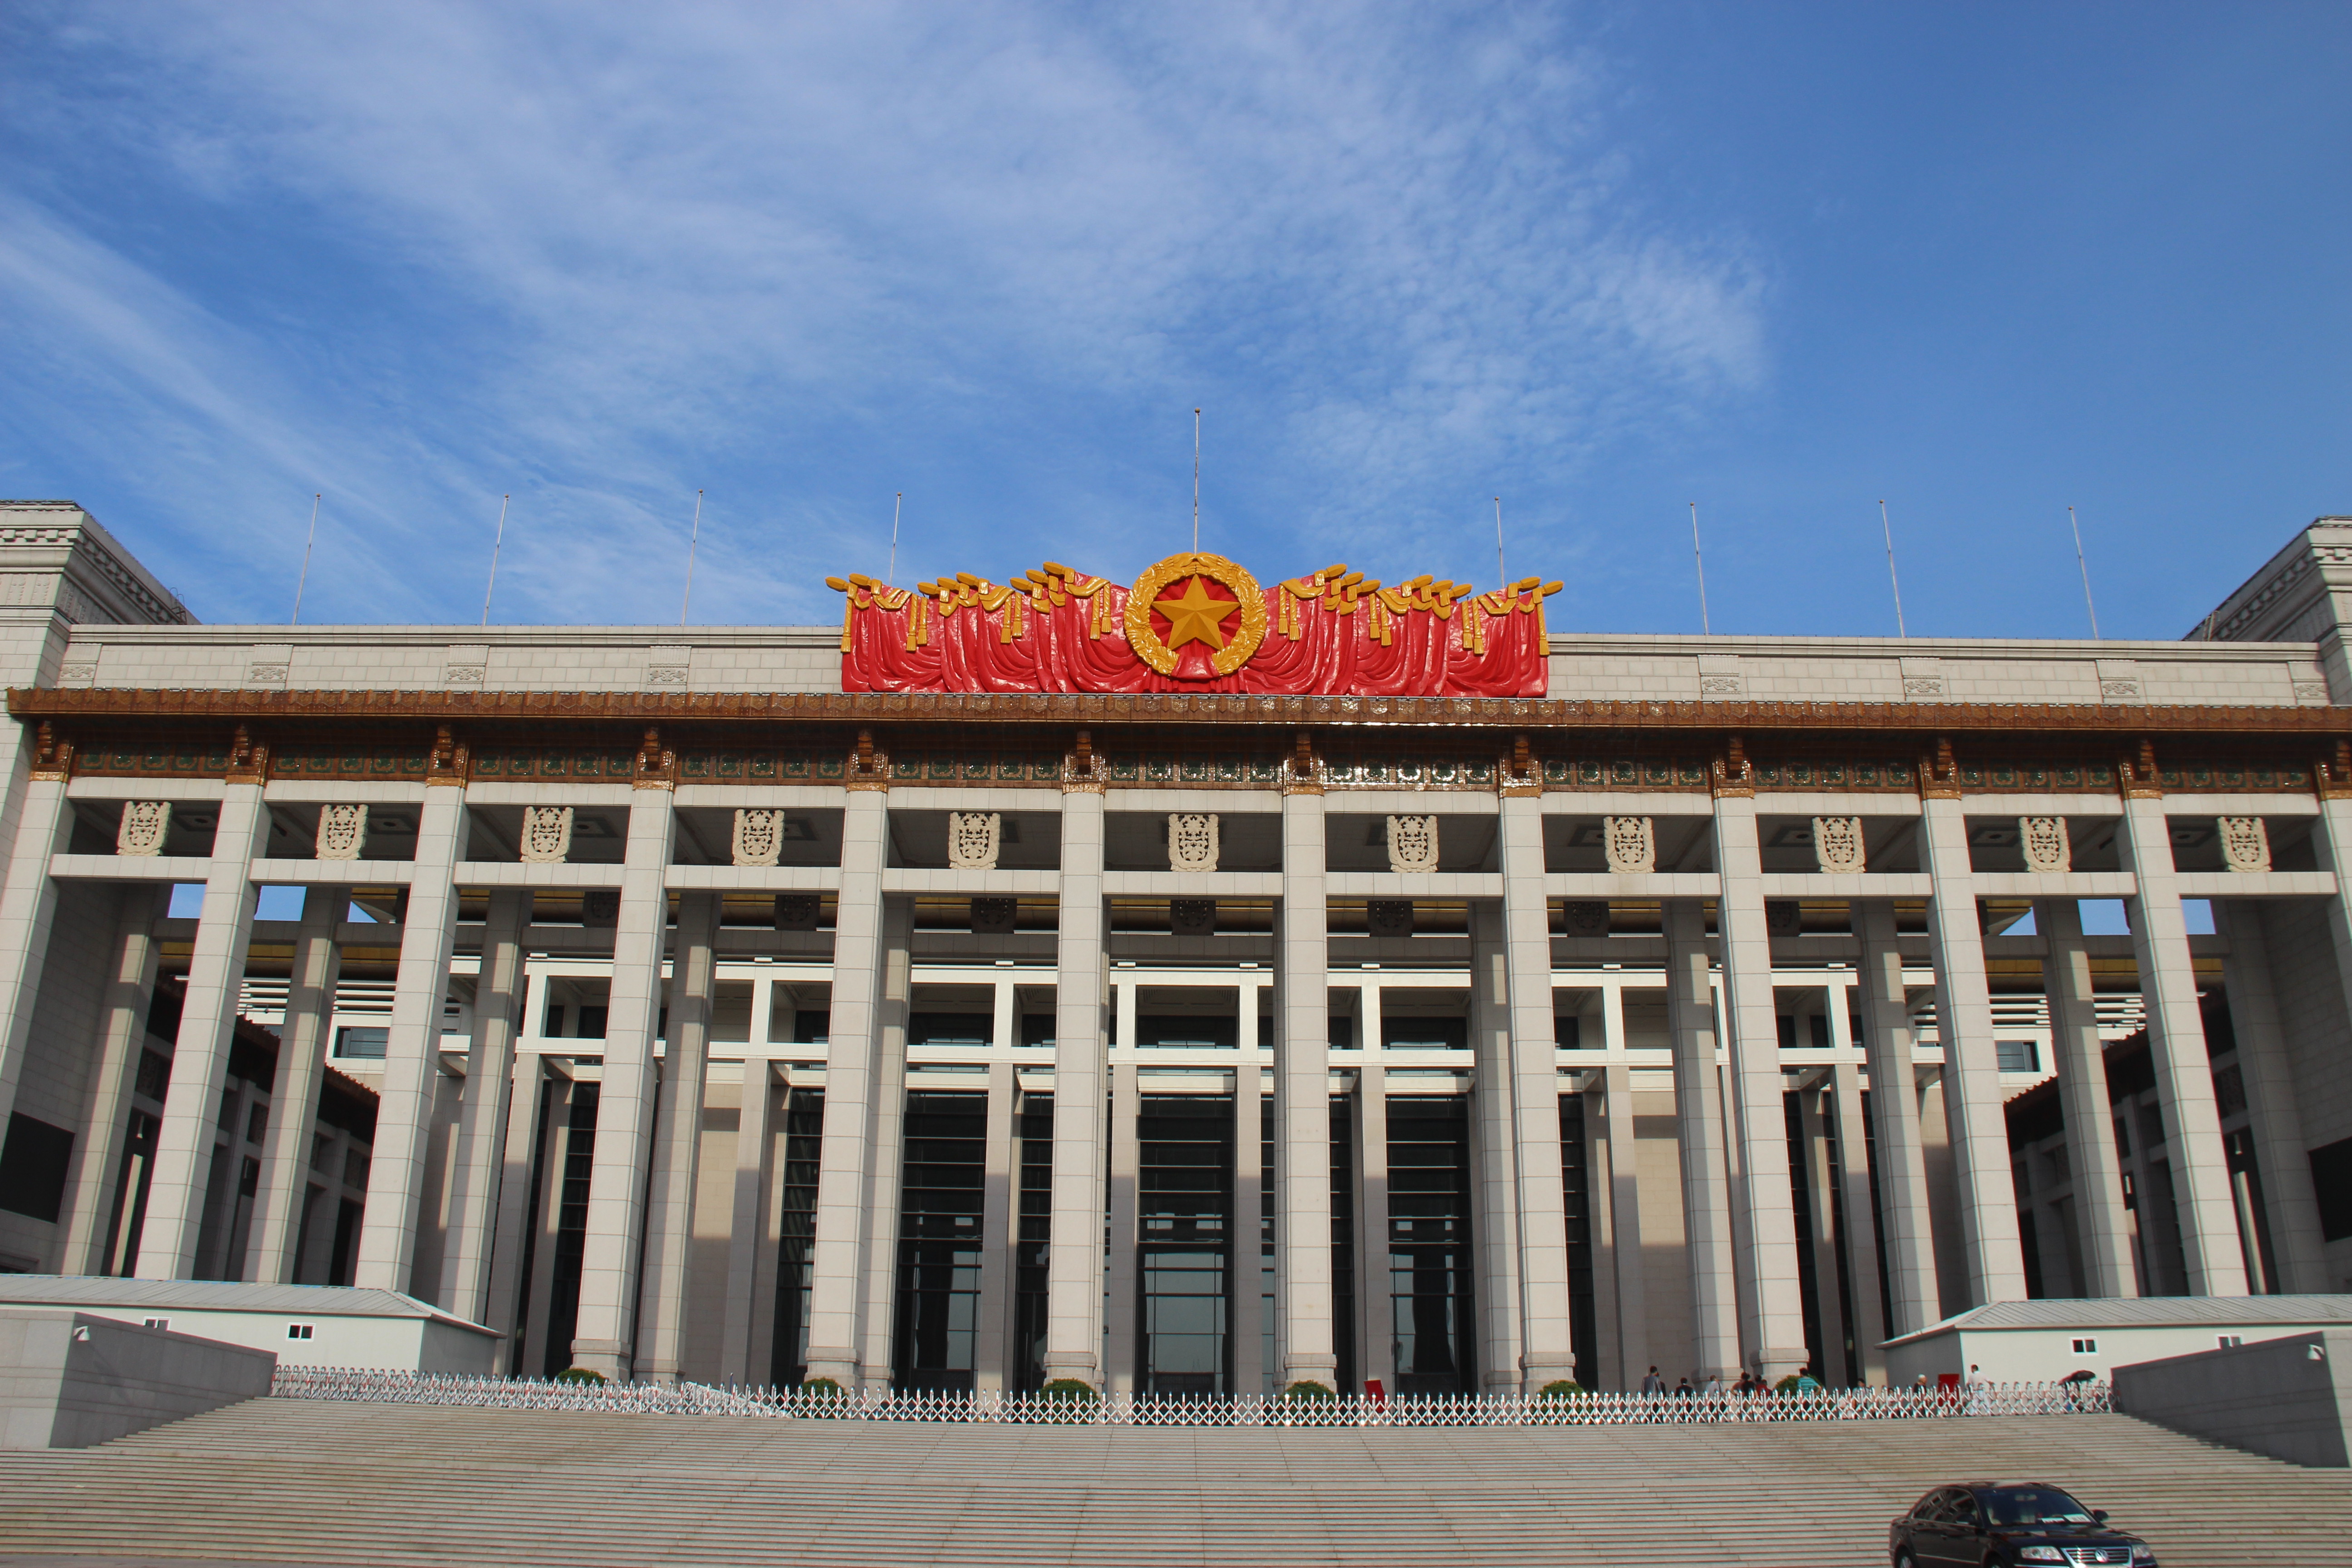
column 1071, row 1391
column 1786, row 1384
column 579, row 1374
column 1307, row 1388
column 1559, row 1388
column 821, row 1388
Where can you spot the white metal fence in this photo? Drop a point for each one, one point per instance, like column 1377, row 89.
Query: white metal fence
column 1155, row 1410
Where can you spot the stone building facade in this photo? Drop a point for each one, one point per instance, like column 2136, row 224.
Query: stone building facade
column 726, row 1025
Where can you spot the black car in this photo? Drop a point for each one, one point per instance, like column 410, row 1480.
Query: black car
column 2011, row 1524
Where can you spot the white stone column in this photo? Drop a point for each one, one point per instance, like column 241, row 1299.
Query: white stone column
column 1988, row 1194
column 2080, row 1060
column 605, row 1337
column 677, row 1142
column 1122, row 1365
column 482, row 1115
column 175, row 1202
column 1767, row 1201
column 886, row 1157
column 1549, row 1351
column 294, row 1098
column 1375, row 1318
column 413, row 1053
column 1074, row 1254
column 746, row 1253
column 1699, row 1129
column 1245, row 1256
column 1870, row 1331
column 1302, row 1099
column 1624, row 1205
column 121, row 1037
column 999, row 1217
column 1817, row 1125
column 2274, row 1117
column 854, row 1039
column 512, row 1225
column 29, row 904
column 2184, row 1068
column 1895, row 1115
column 1492, row 1097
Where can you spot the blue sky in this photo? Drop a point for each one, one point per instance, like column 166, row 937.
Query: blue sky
column 1983, row 260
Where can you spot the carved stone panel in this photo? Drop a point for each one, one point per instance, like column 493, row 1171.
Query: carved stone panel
column 759, row 837
column 1783, row 917
column 995, row 917
column 2042, row 841
column 600, row 907
column 974, row 839
column 1412, row 844
column 1630, row 843
column 546, row 835
column 2245, row 843
column 797, row 911
column 342, row 832
column 1388, row 917
column 146, row 825
column 1586, row 917
column 1193, row 917
column 1837, row 843
column 1192, row 841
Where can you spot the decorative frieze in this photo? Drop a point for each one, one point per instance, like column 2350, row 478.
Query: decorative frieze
column 759, row 837
column 546, row 835
column 146, row 825
column 342, row 832
column 995, row 917
column 1783, row 917
column 2245, row 843
column 1630, row 843
column 1192, row 841
column 798, row 911
column 2042, row 841
column 1192, row 917
column 600, row 907
column 1585, row 916
column 974, row 839
column 1412, row 844
column 1388, row 917
column 1837, row 844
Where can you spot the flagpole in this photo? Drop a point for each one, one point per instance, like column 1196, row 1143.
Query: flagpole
column 1705, row 629
column 495, row 545
column 692, row 539
column 2084, row 568
column 1888, row 530
column 304, row 581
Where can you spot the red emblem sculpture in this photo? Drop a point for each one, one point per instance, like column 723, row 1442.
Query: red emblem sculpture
column 1195, row 622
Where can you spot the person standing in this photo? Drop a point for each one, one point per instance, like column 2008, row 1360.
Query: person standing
column 1653, row 1385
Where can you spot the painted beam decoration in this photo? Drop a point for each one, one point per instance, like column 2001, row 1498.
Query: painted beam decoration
column 1195, row 623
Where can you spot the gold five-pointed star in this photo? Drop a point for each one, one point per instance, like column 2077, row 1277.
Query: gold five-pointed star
column 1194, row 616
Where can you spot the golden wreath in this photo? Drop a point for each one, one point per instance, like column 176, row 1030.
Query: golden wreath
column 1240, row 644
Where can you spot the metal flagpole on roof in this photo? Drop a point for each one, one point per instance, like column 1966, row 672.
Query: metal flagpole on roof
column 897, row 507
column 302, row 582
column 495, row 545
column 1700, row 560
column 692, row 539
column 1888, row 530
column 1196, row 482
column 1499, row 572
column 2084, row 568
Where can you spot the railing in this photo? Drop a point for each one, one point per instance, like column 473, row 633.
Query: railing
column 1160, row 1410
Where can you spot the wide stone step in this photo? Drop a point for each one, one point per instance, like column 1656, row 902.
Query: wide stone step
column 298, row 1481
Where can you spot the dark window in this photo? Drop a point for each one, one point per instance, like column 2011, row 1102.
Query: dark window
column 2331, row 1178
column 1184, row 1205
column 796, row 1223
column 155, row 1074
column 1029, row 1251
column 2018, row 1056
column 940, row 1199
column 589, row 1023
column 362, row 1044
column 1179, row 1031
column 949, row 1028
column 1343, row 1241
column 571, row 1230
column 1567, row 1032
column 1429, row 1262
column 1425, row 1034
column 33, row 1168
column 1576, row 1184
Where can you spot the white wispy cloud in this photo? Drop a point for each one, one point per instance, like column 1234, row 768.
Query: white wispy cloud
column 609, row 254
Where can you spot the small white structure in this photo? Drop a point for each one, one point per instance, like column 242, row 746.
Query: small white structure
column 2018, row 1341
column 303, row 1325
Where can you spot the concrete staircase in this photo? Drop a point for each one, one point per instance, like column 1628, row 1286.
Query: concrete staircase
column 300, row 1482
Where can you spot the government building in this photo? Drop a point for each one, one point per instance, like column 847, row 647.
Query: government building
column 1198, row 985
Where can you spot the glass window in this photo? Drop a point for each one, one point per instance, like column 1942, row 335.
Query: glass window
column 2018, row 1056
column 2033, row 1505
column 1429, row 1262
column 938, row 1240
column 1183, row 1213
column 362, row 1043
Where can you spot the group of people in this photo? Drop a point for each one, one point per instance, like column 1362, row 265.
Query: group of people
column 1655, row 1386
